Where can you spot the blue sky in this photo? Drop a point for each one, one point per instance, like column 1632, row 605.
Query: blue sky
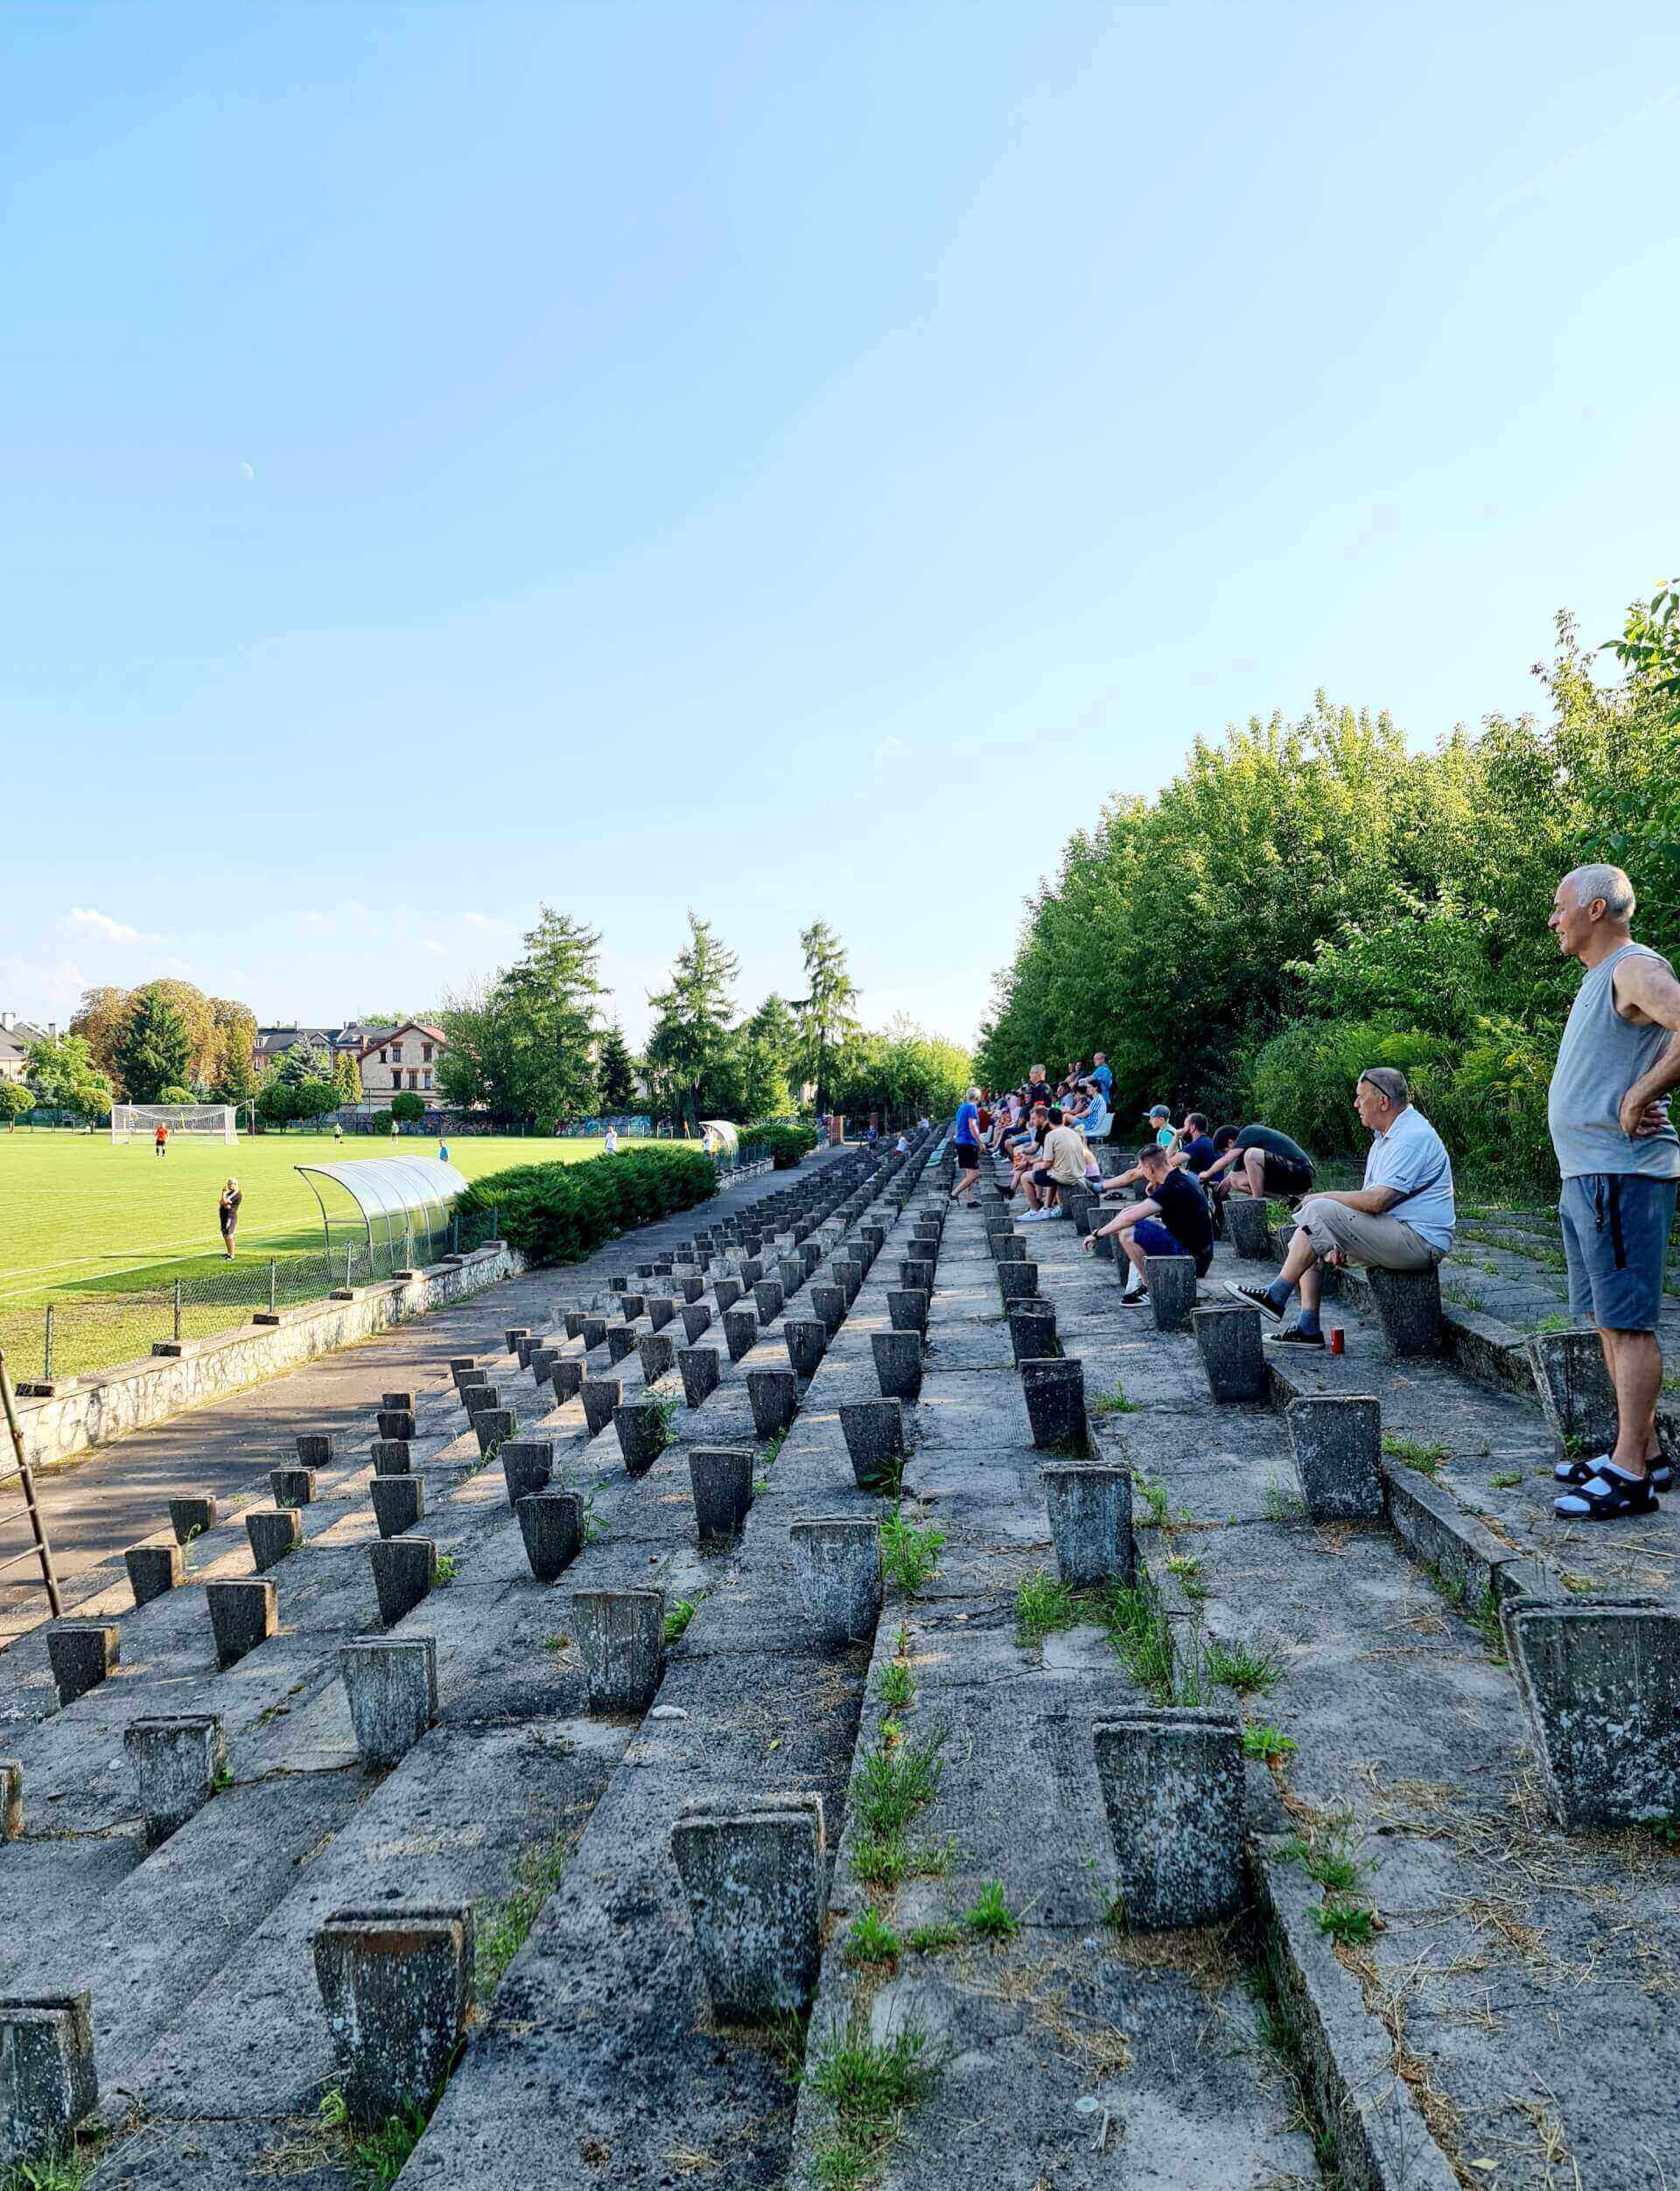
column 786, row 460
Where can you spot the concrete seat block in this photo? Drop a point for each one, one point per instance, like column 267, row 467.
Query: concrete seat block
column 391, row 1685
column 753, row 1875
column 47, row 2079
column 176, row 1763
column 838, row 1570
column 82, row 1654
column 1601, row 1689
column 1173, row 1785
column 396, row 1984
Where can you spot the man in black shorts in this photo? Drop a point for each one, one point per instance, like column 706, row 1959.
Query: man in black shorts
column 1260, row 1161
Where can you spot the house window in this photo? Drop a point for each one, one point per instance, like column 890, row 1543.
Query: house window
column 414, row 1079
column 425, row 1079
column 425, row 1053
column 383, row 1058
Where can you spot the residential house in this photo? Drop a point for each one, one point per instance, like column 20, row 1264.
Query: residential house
column 16, row 1035
column 401, row 1060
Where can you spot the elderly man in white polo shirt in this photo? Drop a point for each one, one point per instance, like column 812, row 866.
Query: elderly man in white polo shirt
column 1402, row 1219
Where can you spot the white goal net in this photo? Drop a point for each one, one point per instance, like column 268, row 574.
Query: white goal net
column 140, row 1122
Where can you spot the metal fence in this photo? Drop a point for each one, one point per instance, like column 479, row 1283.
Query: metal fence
column 81, row 1332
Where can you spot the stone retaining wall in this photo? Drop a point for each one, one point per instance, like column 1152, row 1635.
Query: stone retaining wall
column 97, row 1410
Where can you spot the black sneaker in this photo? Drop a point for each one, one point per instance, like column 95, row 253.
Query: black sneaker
column 1255, row 1296
column 1294, row 1337
column 1139, row 1300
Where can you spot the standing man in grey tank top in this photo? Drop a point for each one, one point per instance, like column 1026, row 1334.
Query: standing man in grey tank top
column 1619, row 1157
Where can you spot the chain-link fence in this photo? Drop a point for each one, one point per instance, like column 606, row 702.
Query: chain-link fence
column 83, row 1331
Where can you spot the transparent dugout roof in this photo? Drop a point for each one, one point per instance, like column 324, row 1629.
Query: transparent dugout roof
column 393, row 1196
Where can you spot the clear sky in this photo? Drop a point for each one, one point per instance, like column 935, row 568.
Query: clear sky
column 786, row 460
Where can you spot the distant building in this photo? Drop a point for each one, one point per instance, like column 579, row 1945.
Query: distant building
column 16, row 1035
column 400, row 1060
column 272, row 1043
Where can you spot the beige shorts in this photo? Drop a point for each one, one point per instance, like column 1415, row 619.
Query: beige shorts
column 1388, row 1243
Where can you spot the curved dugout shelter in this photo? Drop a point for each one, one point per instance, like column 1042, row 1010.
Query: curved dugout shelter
column 398, row 1208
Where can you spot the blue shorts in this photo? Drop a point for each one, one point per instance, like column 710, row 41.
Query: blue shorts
column 1155, row 1240
column 1615, row 1243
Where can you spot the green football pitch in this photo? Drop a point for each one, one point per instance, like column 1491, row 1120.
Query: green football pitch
column 80, row 1216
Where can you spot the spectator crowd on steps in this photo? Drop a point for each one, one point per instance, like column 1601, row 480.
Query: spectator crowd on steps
column 1618, row 1155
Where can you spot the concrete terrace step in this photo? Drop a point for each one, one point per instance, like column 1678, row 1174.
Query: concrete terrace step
column 1517, row 1967
column 507, row 1696
column 296, row 1774
column 1070, row 2053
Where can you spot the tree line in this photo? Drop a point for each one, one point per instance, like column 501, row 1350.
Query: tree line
column 533, row 1045
column 1307, row 899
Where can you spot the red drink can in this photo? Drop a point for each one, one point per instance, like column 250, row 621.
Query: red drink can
column 1335, row 1339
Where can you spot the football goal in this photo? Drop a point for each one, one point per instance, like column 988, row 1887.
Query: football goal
column 140, row 1122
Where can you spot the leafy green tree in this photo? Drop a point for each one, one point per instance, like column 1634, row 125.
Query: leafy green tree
column 615, row 1071
column 235, row 1080
column 690, row 1052
column 408, row 1107
column 61, row 1071
column 523, row 1048
column 764, row 1080
column 346, row 1079
column 825, row 1015
column 154, row 1050
column 15, row 1100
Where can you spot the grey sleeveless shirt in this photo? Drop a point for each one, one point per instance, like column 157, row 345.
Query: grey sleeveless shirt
column 1599, row 1058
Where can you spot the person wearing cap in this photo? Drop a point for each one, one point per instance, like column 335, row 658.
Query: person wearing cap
column 1159, row 1119
column 1407, row 1171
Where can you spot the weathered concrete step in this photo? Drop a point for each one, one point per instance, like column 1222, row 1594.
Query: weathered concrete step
column 1406, row 1726
column 464, row 1816
column 746, row 1702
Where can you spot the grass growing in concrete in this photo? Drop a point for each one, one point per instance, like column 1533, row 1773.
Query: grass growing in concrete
column 1042, row 1607
column 1187, row 1569
column 869, row 2083
column 1234, row 1666
column 873, row 1939
column 1345, row 1922
column 680, row 1614
column 895, row 1782
column 989, row 1916
column 446, row 1571
column 932, row 1939
column 65, row 2169
column 374, row 2157
column 1138, row 1630
column 1154, row 1509
column 503, row 1929
column 909, row 1551
column 1506, row 1479
column 1426, row 1459
column 1284, row 1505
column 1267, row 1743
column 896, row 1690
column 1114, row 1402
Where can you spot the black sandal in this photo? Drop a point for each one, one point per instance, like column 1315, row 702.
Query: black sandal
column 1660, row 1475
column 1608, row 1496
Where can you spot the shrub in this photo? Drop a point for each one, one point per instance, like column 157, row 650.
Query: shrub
column 1302, row 1082
column 407, row 1107
column 781, row 1141
column 559, row 1212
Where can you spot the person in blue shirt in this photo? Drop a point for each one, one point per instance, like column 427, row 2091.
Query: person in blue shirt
column 1103, row 1078
column 965, row 1140
column 1402, row 1219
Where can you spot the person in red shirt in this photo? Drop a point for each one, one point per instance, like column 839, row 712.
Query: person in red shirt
column 160, row 1139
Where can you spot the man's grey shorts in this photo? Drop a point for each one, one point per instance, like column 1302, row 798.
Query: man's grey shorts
column 1615, row 1240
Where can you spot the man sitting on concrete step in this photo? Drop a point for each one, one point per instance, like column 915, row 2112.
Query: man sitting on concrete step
column 1402, row 1219
column 1618, row 1155
column 1172, row 1219
column 1062, row 1163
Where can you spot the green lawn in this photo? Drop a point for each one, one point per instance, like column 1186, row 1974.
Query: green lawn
column 80, row 1217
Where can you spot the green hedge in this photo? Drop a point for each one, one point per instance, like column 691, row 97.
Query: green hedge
column 782, row 1144
column 559, row 1212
